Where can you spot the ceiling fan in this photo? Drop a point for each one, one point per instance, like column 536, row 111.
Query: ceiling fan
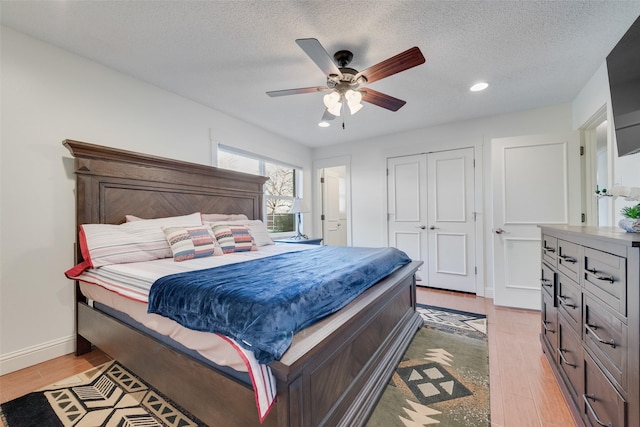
column 346, row 84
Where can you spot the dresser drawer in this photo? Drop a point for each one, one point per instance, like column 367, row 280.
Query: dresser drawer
column 605, row 335
column 570, row 360
column 602, row 405
column 549, row 332
column 550, row 250
column 548, row 281
column 569, row 302
column 605, row 276
column 569, row 259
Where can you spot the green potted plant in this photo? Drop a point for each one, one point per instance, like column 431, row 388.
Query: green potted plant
column 631, row 220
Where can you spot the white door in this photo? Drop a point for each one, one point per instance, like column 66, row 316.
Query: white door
column 536, row 180
column 334, row 206
column 407, row 207
column 451, row 230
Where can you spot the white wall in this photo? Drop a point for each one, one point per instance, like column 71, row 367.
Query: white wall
column 49, row 95
column 368, row 166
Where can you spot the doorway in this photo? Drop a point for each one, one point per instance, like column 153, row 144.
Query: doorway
column 333, row 182
column 332, row 187
column 597, row 170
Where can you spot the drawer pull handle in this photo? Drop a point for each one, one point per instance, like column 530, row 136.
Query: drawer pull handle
column 544, row 325
column 562, row 300
column 552, row 250
column 600, row 277
column 567, row 258
column 546, row 282
column 592, row 330
column 561, row 352
column 586, row 398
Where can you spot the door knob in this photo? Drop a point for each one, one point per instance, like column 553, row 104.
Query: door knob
column 500, row 231
column 421, row 227
column 433, row 227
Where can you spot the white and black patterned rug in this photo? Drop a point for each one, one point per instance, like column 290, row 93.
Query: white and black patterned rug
column 108, row 395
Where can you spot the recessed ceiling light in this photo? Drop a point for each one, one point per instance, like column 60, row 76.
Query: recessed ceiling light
column 323, row 124
column 479, row 86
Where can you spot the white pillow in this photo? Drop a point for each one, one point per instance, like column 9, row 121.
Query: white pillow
column 257, row 229
column 223, row 217
column 143, row 240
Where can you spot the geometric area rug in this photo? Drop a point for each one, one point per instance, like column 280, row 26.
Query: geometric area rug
column 107, row 395
column 443, row 377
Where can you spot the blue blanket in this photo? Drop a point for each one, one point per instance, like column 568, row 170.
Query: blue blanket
column 262, row 303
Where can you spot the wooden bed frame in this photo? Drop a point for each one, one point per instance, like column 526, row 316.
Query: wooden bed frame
column 334, row 372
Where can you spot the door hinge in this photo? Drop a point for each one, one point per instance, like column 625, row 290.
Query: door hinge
column 322, row 180
column 476, row 270
column 582, row 150
column 583, row 217
column 322, row 217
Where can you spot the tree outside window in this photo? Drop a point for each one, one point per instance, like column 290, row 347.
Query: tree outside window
column 279, row 191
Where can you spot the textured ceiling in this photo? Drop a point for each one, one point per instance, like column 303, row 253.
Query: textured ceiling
column 227, row 54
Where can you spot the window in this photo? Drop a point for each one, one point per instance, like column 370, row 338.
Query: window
column 279, row 191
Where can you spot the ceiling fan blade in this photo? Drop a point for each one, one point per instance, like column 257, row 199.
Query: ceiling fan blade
column 319, row 55
column 403, row 61
column 381, row 100
column 297, row 91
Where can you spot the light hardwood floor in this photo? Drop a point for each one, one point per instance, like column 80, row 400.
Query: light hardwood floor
column 524, row 392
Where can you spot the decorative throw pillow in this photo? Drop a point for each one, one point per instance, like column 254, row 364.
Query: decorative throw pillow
column 191, row 242
column 233, row 238
column 256, row 227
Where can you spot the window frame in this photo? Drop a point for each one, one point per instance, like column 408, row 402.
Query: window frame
column 262, row 161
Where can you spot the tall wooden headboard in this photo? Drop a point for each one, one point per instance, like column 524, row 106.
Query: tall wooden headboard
column 112, row 183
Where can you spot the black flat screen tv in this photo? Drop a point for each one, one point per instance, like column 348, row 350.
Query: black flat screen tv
column 623, row 65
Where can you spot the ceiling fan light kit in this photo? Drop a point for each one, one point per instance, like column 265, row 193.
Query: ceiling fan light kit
column 479, row 87
column 344, row 83
column 335, row 100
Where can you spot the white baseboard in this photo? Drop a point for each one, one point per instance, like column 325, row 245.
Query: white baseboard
column 30, row 356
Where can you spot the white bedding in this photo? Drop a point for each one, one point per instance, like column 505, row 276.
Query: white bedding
column 133, row 280
column 125, row 287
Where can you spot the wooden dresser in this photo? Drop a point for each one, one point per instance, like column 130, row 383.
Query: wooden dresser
column 590, row 279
